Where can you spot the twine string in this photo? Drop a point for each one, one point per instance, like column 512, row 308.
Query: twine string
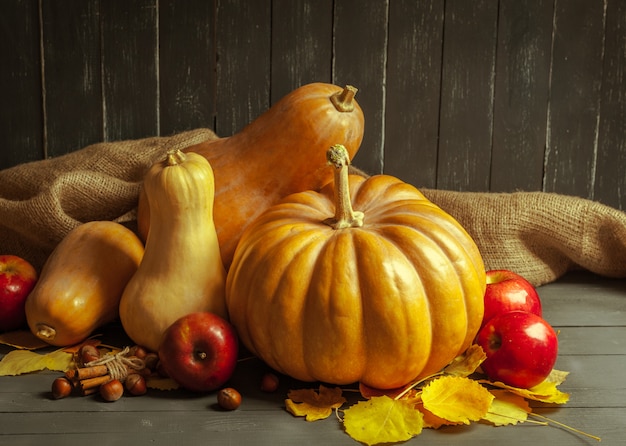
column 119, row 364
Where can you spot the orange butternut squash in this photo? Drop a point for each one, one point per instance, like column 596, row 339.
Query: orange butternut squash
column 280, row 152
column 81, row 283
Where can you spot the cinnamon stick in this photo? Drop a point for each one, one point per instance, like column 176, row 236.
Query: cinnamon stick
column 97, row 381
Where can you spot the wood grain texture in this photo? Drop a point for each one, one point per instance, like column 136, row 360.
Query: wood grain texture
column 413, row 90
column 467, row 91
column 521, row 93
column 72, row 75
column 359, row 58
column 243, row 69
column 302, row 37
column 491, row 95
column 187, row 65
column 21, row 110
column 129, row 69
column 571, row 152
column 610, row 179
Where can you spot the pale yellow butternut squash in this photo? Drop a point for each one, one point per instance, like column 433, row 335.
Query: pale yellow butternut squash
column 182, row 271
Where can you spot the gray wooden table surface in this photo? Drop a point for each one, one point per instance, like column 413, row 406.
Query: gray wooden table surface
column 589, row 311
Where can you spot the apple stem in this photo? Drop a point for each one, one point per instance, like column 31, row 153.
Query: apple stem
column 201, row 355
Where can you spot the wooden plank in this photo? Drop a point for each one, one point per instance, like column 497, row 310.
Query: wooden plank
column 72, row 76
column 571, row 150
column 584, row 340
column 129, row 66
column 521, row 95
column 610, row 179
column 243, row 68
column 186, row 65
column 21, row 112
column 467, row 90
column 360, row 42
column 584, row 300
column 413, row 85
column 301, row 44
column 264, row 428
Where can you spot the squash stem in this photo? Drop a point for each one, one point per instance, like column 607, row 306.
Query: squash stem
column 345, row 216
column 174, row 157
column 343, row 100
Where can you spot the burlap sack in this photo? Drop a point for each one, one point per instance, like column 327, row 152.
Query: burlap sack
column 538, row 235
column 41, row 201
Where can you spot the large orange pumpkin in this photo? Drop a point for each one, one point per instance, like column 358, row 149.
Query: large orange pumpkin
column 382, row 295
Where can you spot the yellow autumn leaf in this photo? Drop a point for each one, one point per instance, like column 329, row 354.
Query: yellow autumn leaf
column 457, row 399
column 545, row 392
column 383, row 420
column 467, row 363
column 18, row 362
column 314, row 405
column 557, row 376
column 507, row 408
column 433, row 421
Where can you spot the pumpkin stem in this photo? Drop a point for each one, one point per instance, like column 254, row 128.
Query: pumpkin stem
column 343, row 100
column 345, row 216
column 174, row 157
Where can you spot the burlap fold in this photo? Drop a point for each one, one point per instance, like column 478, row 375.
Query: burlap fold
column 538, row 235
column 41, row 201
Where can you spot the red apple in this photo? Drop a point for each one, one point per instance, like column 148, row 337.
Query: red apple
column 507, row 291
column 199, row 351
column 17, row 279
column 521, row 348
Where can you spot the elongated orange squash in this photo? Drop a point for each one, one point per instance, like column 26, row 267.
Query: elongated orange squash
column 81, row 283
column 281, row 152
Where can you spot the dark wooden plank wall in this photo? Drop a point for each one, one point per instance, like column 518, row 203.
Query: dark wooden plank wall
column 487, row 95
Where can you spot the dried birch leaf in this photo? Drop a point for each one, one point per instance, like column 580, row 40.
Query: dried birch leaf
column 18, row 362
column 467, row 363
column 383, row 420
column 433, row 421
column 22, row 339
column 313, row 405
column 507, row 408
column 545, row 392
column 457, row 399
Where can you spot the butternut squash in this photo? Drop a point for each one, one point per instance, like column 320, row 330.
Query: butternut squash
column 281, row 152
column 181, row 271
column 81, row 283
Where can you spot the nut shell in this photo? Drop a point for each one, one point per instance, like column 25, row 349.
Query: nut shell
column 112, row 390
column 229, row 398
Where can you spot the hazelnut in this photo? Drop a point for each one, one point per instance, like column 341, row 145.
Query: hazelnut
column 139, row 352
column 151, row 360
column 112, row 390
column 269, row 383
column 61, row 387
column 135, row 384
column 88, row 353
column 228, row 398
